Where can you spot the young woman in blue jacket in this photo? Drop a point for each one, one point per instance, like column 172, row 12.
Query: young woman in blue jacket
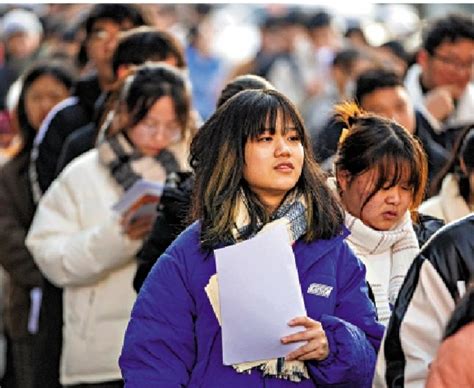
column 254, row 167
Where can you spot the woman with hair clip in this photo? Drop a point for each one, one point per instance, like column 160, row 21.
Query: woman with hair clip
column 82, row 245
column 454, row 185
column 43, row 86
column 381, row 174
column 254, row 169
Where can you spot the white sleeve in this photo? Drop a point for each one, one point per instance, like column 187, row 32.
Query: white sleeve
column 421, row 329
column 424, row 323
column 67, row 253
column 432, row 207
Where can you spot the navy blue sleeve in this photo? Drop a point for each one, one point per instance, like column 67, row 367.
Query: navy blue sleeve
column 353, row 332
column 159, row 347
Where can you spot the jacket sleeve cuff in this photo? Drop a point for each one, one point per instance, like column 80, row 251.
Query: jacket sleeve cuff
column 351, row 357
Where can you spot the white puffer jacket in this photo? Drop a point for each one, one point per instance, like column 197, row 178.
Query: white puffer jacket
column 76, row 241
column 448, row 205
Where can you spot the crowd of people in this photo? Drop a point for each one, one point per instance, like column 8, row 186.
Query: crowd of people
column 364, row 155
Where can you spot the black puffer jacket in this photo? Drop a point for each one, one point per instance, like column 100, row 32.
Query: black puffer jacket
column 434, row 283
column 425, row 227
column 170, row 221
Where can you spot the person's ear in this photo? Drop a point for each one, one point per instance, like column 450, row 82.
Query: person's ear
column 337, row 74
column 121, row 117
column 122, row 72
column 422, row 58
column 343, row 179
column 463, row 167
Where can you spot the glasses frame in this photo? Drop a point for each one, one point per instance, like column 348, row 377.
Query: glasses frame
column 452, row 63
column 151, row 130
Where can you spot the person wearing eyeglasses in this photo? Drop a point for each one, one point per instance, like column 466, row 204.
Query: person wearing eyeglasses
column 440, row 82
column 83, row 246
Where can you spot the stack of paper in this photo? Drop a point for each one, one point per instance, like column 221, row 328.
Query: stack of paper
column 259, row 293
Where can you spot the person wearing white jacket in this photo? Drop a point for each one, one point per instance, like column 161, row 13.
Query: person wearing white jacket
column 80, row 244
column 381, row 174
column 455, row 199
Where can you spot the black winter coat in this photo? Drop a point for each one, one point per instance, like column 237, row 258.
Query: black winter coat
column 16, row 213
column 170, row 222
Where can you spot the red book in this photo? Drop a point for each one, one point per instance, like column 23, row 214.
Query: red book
column 142, row 198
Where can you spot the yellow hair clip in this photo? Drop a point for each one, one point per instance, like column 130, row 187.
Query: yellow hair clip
column 343, row 135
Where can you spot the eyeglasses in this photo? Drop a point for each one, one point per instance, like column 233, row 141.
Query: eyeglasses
column 106, row 33
column 103, row 35
column 453, row 63
column 169, row 132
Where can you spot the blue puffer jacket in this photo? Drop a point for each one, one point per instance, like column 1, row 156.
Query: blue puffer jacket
column 174, row 340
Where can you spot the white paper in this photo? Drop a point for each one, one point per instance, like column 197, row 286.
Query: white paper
column 259, row 293
column 36, row 295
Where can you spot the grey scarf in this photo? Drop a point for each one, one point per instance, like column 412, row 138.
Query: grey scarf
column 292, row 211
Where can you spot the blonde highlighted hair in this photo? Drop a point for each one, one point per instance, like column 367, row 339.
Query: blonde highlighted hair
column 217, row 155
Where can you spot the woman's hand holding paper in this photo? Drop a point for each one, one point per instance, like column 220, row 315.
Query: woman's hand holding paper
column 317, row 347
column 137, row 227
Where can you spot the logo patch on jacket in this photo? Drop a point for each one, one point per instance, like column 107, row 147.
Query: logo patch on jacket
column 319, row 289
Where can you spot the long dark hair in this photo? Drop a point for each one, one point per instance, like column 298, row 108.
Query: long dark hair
column 374, row 141
column 463, row 150
column 55, row 69
column 217, row 156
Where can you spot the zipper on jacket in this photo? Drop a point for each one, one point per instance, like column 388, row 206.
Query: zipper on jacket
column 88, row 314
